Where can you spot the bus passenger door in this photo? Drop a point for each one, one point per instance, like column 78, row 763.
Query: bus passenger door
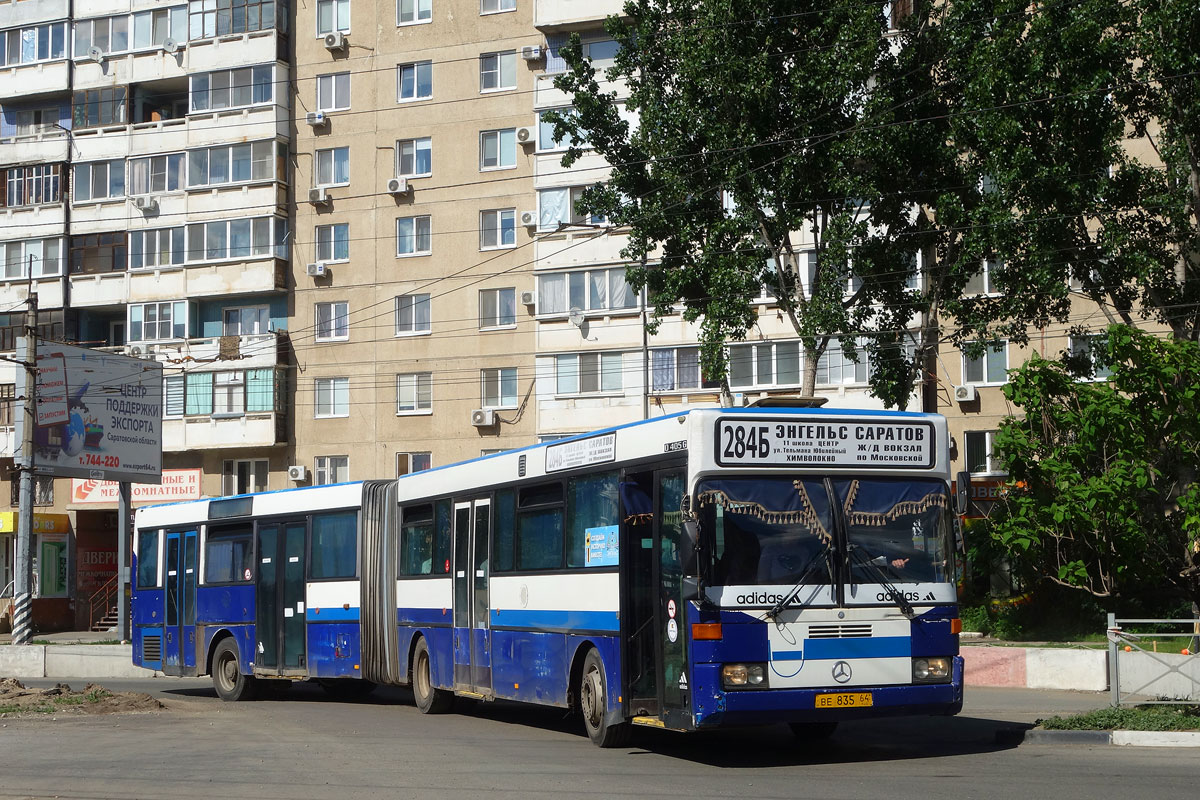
column 280, row 612
column 179, row 617
column 472, row 633
column 640, row 631
column 670, row 486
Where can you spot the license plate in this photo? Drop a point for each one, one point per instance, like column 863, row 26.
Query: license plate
column 845, row 700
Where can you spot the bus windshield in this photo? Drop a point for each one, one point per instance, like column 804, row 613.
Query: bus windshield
column 780, row 530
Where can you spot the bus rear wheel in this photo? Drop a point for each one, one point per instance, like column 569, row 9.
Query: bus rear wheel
column 430, row 699
column 228, row 680
column 593, row 705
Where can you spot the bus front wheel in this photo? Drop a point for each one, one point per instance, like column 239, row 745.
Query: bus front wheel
column 430, row 699
column 593, row 705
column 228, row 680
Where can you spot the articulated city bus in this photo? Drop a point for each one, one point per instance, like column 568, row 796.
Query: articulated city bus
column 714, row 567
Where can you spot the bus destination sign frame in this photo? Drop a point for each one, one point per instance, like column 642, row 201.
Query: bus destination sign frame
column 853, row 443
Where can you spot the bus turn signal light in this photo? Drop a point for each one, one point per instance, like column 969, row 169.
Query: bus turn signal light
column 706, row 630
column 956, row 625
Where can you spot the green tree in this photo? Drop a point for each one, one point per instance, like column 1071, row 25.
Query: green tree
column 1103, row 499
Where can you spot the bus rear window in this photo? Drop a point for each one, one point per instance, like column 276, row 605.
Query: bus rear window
column 228, row 555
column 147, row 554
column 334, row 545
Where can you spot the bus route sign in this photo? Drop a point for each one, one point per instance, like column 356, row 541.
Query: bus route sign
column 858, row 443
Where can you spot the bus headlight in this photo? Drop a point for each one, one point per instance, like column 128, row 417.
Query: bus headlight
column 931, row 670
column 740, row 676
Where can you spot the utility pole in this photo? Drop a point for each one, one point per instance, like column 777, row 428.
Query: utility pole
column 22, row 624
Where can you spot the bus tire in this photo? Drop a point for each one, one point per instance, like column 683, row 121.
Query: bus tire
column 593, row 705
column 429, row 699
column 812, row 731
column 228, row 680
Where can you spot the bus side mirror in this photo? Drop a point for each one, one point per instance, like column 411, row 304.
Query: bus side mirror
column 689, row 588
column 962, row 492
column 689, row 547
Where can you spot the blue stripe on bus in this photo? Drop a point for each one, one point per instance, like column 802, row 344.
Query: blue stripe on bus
column 332, row 614
column 565, row 620
column 823, row 649
column 423, row 616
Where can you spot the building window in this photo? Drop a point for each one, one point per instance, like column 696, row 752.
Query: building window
column 497, row 228
column 836, row 368
column 108, row 34
column 412, row 314
column 229, row 393
column 498, row 149
column 1090, row 356
column 587, row 290
column 33, row 43
column 546, row 141
column 497, row 71
column 989, row 368
column 499, row 387
column 497, row 308
column 601, row 52
column 162, row 247
column 98, row 252
column 246, row 321
column 332, row 15
column 333, row 397
column 333, row 166
column 981, row 456
column 37, row 258
column 412, row 12
column 331, row 469
column 233, row 88
column 152, row 28
column 414, row 81
column 677, row 369
column 333, row 322
column 8, row 403
column 496, row 6
column 244, row 476
column 414, row 393
column 99, row 180
column 210, row 18
column 239, row 163
column 559, row 207
column 584, row 373
column 984, row 281
column 31, row 186
column 413, row 236
column 156, row 174
column 333, row 92
column 764, row 364
column 408, row 463
column 174, row 395
column 157, row 322
column 333, row 242
column 414, row 158
column 236, row 239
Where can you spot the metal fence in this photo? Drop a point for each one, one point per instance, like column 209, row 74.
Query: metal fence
column 1140, row 672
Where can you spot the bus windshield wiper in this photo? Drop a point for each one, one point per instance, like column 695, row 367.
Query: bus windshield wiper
column 880, row 573
column 786, row 598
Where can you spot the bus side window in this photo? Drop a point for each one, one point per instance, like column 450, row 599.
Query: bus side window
column 591, row 503
column 147, row 555
column 334, row 545
column 540, row 527
column 229, row 555
column 441, row 539
column 416, row 548
column 502, row 550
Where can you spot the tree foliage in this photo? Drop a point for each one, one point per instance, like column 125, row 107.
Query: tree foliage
column 1103, row 495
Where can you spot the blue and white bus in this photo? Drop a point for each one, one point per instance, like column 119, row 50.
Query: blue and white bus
column 716, row 567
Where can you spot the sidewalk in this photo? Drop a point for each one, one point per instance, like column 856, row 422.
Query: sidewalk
column 74, row 654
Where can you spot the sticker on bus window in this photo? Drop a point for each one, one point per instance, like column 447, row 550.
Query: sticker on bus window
column 602, row 546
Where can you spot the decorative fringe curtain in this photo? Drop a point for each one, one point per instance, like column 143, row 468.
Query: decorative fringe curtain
column 896, row 501
column 767, row 502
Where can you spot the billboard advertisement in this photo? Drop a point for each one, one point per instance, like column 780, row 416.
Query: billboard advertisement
column 102, row 417
column 177, row 485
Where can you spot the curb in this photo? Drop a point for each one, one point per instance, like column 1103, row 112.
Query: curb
column 1017, row 736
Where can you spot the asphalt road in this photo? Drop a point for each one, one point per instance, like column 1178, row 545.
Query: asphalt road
column 305, row 744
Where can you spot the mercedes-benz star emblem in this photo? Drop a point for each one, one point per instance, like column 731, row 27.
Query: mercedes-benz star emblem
column 841, row 672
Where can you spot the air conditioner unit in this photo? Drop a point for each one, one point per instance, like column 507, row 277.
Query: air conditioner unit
column 318, row 195
column 335, row 40
column 96, row 54
column 316, row 269
column 138, row 350
column 964, row 394
column 297, row 472
column 528, row 298
column 170, row 46
column 145, row 203
column 397, row 186
column 483, row 417
column 316, row 118
column 526, row 135
column 531, row 52
column 529, row 219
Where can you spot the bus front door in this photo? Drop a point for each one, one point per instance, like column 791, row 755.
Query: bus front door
column 279, row 604
column 179, row 616
column 670, row 486
column 472, row 614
